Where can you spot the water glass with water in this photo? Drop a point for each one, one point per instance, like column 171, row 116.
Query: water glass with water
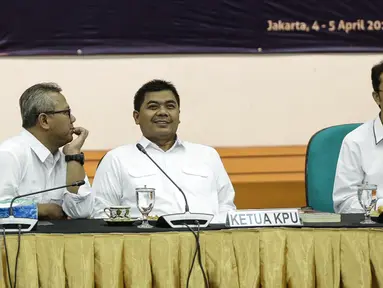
column 367, row 199
column 145, row 202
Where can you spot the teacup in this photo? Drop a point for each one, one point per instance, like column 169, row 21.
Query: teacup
column 117, row 212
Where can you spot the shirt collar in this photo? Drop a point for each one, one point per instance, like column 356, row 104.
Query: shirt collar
column 41, row 151
column 145, row 142
column 378, row 130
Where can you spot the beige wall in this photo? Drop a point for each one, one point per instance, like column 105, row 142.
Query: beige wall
column 230, row 100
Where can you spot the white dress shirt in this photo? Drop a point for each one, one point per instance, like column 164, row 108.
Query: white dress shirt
column 197, row 169
column 360, row 161
column 28, row 166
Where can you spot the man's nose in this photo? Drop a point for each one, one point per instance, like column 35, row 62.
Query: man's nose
column 163, row 111
column 72, row 118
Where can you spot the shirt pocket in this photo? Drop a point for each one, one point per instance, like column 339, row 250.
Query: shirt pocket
column 198, row 179
column 31, row 186
column 141, row 177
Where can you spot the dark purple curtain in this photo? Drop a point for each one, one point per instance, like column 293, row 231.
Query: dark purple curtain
column 70, row 27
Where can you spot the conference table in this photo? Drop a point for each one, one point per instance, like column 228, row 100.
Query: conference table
column 89, row 253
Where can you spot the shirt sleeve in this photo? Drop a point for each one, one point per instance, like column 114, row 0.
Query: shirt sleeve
column 225, row 190
column 10, row 171
column 349, row 174
column 79, row 205
column 107, row 185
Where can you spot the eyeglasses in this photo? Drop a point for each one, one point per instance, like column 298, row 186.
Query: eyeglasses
column 66, row 112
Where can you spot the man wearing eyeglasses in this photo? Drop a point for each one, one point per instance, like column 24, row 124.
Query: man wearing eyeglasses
column 32, row 160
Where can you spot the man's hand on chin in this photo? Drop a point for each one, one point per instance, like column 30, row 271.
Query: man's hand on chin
column 75, row 146
column 50, row 211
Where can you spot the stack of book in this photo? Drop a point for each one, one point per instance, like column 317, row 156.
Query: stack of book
column 312, row 216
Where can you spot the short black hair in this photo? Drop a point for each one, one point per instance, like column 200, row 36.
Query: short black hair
column 155, row 85
column 376, row 71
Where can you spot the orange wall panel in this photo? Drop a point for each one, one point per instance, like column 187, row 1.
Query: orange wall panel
column 263, row 177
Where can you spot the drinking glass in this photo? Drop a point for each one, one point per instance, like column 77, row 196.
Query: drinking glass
column 367, row 199
column 145, row 202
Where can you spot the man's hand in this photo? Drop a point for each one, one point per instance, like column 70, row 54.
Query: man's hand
column 51, row 211
column 74, row 147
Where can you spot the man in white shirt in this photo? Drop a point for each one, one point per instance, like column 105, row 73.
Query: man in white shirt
column 196, row 168
column 32, row 161
column 361, row 156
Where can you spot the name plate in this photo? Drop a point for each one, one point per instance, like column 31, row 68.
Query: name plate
column 263, row 217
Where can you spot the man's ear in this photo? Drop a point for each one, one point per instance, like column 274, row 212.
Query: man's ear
column 43, row 121
column 136, row 115
column 376, row 97
column 179, row 121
